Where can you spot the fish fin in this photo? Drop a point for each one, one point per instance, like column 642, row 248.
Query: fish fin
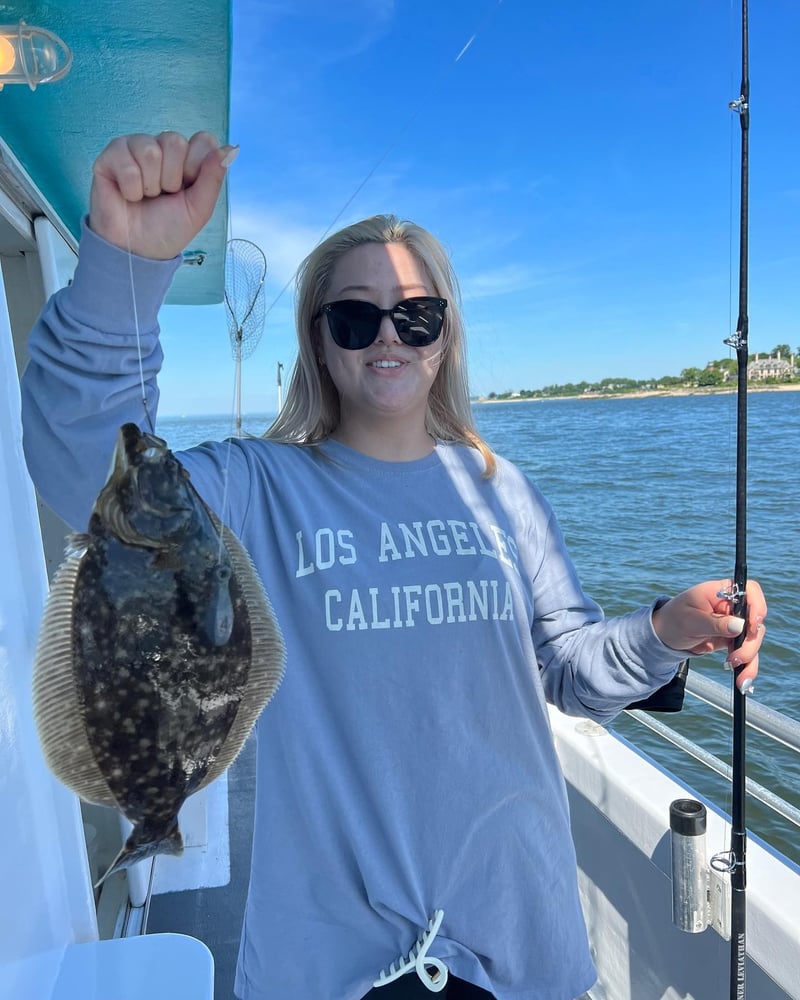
column 58, row 712
column 76, row 544
column 143, row 844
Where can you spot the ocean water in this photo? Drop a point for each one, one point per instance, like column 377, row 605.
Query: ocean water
column 644, row 490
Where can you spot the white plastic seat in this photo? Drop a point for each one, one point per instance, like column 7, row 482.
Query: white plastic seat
column 148, row 967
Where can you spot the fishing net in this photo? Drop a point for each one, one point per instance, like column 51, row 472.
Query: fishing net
column 245, row 270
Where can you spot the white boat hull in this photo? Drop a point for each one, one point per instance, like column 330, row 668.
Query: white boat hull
column 619, row 803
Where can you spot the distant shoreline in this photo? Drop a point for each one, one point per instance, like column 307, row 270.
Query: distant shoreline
column 645, row 394
column 268, row 416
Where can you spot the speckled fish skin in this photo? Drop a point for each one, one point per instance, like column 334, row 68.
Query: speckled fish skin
column 158, row 649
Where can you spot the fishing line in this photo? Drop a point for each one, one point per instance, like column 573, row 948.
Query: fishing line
column 488, row 16
column 229, row 443
column 136, row 323
column 225, row 483
column 225, row 476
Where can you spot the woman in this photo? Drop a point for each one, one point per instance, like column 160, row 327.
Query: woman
column 408, row 786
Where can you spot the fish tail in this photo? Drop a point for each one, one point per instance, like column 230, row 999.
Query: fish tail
column 145, row 842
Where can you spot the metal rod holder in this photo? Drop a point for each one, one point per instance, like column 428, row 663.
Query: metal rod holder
column 690, row 907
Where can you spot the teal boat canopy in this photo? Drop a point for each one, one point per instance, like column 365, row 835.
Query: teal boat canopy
column 138, row 66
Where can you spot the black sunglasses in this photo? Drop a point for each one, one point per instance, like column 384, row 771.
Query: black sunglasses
column 354, row 324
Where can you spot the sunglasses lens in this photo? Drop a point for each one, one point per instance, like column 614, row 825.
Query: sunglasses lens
column 354, row 324
column 419, row 321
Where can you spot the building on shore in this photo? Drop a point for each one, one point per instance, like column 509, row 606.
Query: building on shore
column 763, row 368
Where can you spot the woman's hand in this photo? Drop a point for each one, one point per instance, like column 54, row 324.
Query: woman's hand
column 699, row 621
column 153, row 194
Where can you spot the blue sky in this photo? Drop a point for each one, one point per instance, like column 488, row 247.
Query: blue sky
column 578, row 160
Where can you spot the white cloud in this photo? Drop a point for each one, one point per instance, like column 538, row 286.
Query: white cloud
column 315, row 34
column 285, row 242
column 503, row 280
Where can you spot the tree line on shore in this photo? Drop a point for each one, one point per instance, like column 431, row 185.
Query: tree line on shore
column 715, row 374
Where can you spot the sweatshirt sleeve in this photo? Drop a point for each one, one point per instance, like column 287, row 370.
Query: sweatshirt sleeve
column 591, row 665
column 83, row 380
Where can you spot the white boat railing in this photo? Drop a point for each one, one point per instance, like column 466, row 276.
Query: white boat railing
column 767, row 721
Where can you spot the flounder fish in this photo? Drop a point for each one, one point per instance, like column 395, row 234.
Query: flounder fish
column 157, row 652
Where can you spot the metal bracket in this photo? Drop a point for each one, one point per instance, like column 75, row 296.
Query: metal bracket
column 194, row 257
column 719, row 902
column 731, row 595
column 724, row 862
column 736, row 340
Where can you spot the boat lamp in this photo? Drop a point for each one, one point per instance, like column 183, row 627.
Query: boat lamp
column 31, row 55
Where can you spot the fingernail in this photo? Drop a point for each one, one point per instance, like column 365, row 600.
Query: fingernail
column 230, row 154
column 735, row 625
column 748, row 686
column 733, row 662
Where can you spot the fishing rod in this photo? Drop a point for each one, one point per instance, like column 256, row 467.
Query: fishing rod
column 734, row 861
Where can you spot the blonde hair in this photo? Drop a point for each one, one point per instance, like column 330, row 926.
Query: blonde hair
column 311, row 410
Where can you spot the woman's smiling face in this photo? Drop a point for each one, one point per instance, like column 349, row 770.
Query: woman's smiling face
column 388, row 378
